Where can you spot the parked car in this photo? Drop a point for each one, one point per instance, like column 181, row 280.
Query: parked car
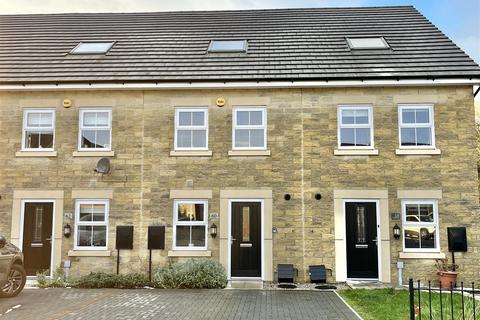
column 12, row 273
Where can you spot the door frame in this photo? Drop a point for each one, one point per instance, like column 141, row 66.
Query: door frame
column 262, row 239
column 379, row 240
column 22, row 226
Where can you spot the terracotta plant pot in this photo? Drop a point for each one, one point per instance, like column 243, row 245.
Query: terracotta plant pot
column 447, row 278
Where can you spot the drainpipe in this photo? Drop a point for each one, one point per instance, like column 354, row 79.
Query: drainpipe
column 400, row 273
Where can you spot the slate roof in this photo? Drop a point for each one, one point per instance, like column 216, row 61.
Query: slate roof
column 283, row 44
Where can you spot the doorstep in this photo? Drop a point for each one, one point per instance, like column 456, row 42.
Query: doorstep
column 245, row 284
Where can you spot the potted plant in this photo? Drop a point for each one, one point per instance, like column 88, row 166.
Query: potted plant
column 447, row 273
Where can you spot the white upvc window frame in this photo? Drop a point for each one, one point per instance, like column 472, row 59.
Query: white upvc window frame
column 81, row 128
column 192, row 127
column 177, row 223
column 430, row 125
column 79, row 223
column 434, row 224
column 26, row 128
column 263, row 126
column 340, row 126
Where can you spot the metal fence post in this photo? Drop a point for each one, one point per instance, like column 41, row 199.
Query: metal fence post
column 412, row 299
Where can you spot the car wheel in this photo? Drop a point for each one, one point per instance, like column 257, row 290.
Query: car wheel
column 15, row 282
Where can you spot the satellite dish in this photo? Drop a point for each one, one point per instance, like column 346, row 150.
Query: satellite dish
column 103, row 166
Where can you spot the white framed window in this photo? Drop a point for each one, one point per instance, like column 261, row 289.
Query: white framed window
column 227, row 46
column 249, row 128
column 420, row 226
column 190, row 224
column 416, row 126
column 95, row 129
column 355, row 127
column 368, row 43
column 92, row 48
column 91, row 224
column 38, row 130
column 191, row 129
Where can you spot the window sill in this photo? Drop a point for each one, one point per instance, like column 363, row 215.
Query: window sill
column 89, row 253
column 421, row 255
column 191, row 253
column 93, row 154
column 417, row 151
column 191, row 153
column 355, row 152
column 35, row 154
column 248, row 153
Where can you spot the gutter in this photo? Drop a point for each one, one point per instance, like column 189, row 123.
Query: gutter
column 476, row 92
column 236, row 85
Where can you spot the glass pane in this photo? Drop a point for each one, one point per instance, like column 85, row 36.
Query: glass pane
column 361, row 116
column 32, row 139
column 37, row 225
column 198, row 118
column 46, row 139
column 103, row 139
column 348, row 116
column 411, row 213
column 347, row 137
column 256, row 118
column 241, row 138
column 33, row 119
column 84, row 236
column 184, row 118
column 102, row 119
column 190, row 212
column 408, row 115
column 256, row 138
column 358, row 43
column 243, row 118
column 46, row 119
column 412, row 237
column 92, row 212
column 227, row 45
column 427, row 236
column 88, row 138
column 424, row 137
column 89, row 119
column 422, row 116
column 184, row 138
column 93, row 47
column 246, row 224
column 361, row 226
column 362, row 137
column 99, row 236
column 408, row 136
column 199, row 138
column 426, row 213
column 190, row 236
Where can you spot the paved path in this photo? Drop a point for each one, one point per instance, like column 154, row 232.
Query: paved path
column 41, row 304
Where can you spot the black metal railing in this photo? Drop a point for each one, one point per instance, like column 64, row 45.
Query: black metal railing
column 440, row 303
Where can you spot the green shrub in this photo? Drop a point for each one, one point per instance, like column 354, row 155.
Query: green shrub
column 56, row 281
column 111, row 280
column 193, row 274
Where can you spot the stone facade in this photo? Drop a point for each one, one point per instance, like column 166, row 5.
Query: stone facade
column 302, row 137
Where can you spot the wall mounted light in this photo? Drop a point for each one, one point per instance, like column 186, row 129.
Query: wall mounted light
column 213, row 230
column 396, row 232
column 67, row 231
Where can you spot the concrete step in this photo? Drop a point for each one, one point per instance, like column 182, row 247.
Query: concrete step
column 31, row 283
column 245, row 284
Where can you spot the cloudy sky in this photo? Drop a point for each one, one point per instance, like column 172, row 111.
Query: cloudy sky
column 459, row 19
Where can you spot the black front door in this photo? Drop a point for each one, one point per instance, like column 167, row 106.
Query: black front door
column 37, row 236
column 361, row 235
column 246, row 253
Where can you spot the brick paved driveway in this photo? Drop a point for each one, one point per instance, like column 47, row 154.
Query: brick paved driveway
column 36, row 304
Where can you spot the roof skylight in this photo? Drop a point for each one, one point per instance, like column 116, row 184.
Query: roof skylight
column 228, row 46
column 92, row 48
column 367, row 43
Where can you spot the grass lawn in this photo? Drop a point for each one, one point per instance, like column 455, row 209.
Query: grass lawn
column 391, row 304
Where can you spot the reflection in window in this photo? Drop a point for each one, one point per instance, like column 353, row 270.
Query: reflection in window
column 416, row 126
column 91, row 219
column 190, row 223
column 355, row 127
column 38, row 129
column 420, row 226
column 361, row 227
column 249, row 128
column 95, row 129
column 191, row 129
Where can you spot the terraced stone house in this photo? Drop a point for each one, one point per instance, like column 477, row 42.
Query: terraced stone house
column 305, row 136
